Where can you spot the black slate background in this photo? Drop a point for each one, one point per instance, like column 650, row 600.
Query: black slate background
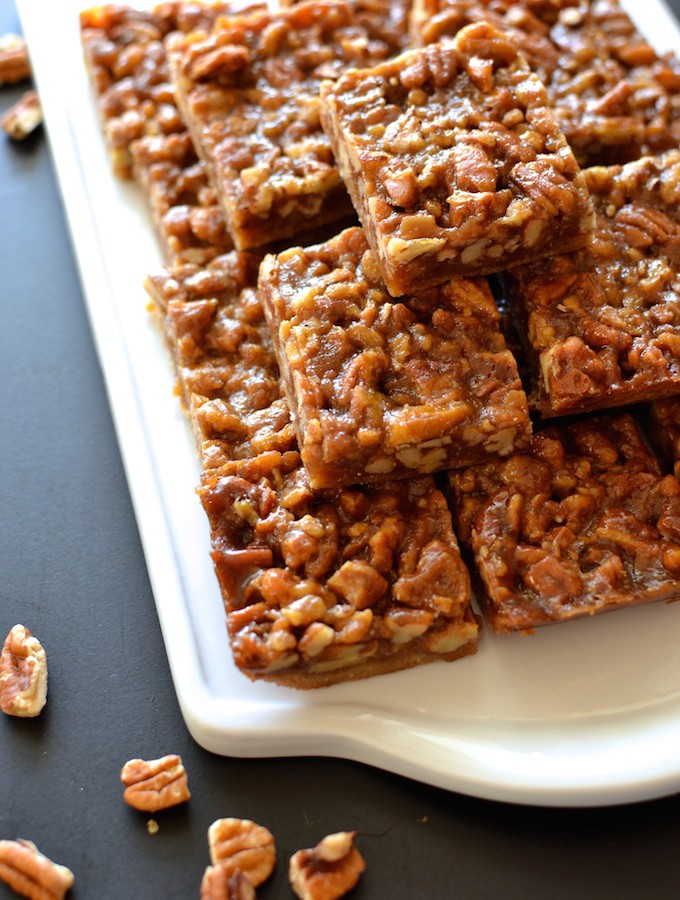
column 72, row 569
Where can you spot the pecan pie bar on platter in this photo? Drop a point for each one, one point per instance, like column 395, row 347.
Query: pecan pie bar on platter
column 602, row 326
column 249, row 92
column 581, row 523
column 380, row 388
column 455, row 164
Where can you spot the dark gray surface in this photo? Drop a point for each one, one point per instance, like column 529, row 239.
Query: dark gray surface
column 71, row 568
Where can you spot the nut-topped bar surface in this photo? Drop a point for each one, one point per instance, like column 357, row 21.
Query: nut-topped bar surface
column 454, row 163
column 214, row 325
column 249, row 91
column 321, row 588
column 381, row 388
column 126, row 61
column 581, row 523
column 603, row 324
column 184, row 210
column 614, row 97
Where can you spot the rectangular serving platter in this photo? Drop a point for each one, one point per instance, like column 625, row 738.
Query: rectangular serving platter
column 584, row 714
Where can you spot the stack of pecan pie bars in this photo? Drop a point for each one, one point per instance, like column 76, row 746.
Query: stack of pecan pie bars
column 422, row 287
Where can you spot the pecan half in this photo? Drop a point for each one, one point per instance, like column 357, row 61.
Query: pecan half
column 24, row 868
column 14, row 62
column 239, row 845
column 327, row 871
column 23, row 674
column 24, row 117
column 155, row 784
column 219, row 884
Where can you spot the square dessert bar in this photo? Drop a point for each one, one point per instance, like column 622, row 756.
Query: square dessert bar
column 228, row 377
column 126, row 62
column 613, row 96
column 249, row 92
column 321, row 588
column 382, row 388
column 580, row 523
column 454, row 163
column 188, row 219
column 602, row 325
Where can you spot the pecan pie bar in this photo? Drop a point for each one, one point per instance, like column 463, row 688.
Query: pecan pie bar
column 228, row 377
column 454, row 163
column 249, row 92
column 318, row 587
column 326, row 587
column 580, row 523
column 188, row 219
column 126, row 61
column 381, row 388
column 613, row 96
column 602, row 325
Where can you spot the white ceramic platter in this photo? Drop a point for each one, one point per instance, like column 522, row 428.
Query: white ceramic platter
column 584, row 714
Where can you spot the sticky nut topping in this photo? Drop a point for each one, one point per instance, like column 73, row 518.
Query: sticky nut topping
column 23, row 674
column 24, row 868
column 583, row 522
column 152, row 785
column 239, row 845
column 327, row 871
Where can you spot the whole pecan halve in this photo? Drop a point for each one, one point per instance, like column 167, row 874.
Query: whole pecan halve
column 24, row 868
column 23, row 674
column 243, row 846
column 155, row 784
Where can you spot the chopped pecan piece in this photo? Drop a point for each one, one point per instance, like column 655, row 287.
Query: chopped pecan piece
column 24, row 868
column 239, row 845
column 24, row 117
column 383, row 389
column 23, row 674
column 220, row 884
column 15, row 64
column 328, row 871
column 152, row 785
